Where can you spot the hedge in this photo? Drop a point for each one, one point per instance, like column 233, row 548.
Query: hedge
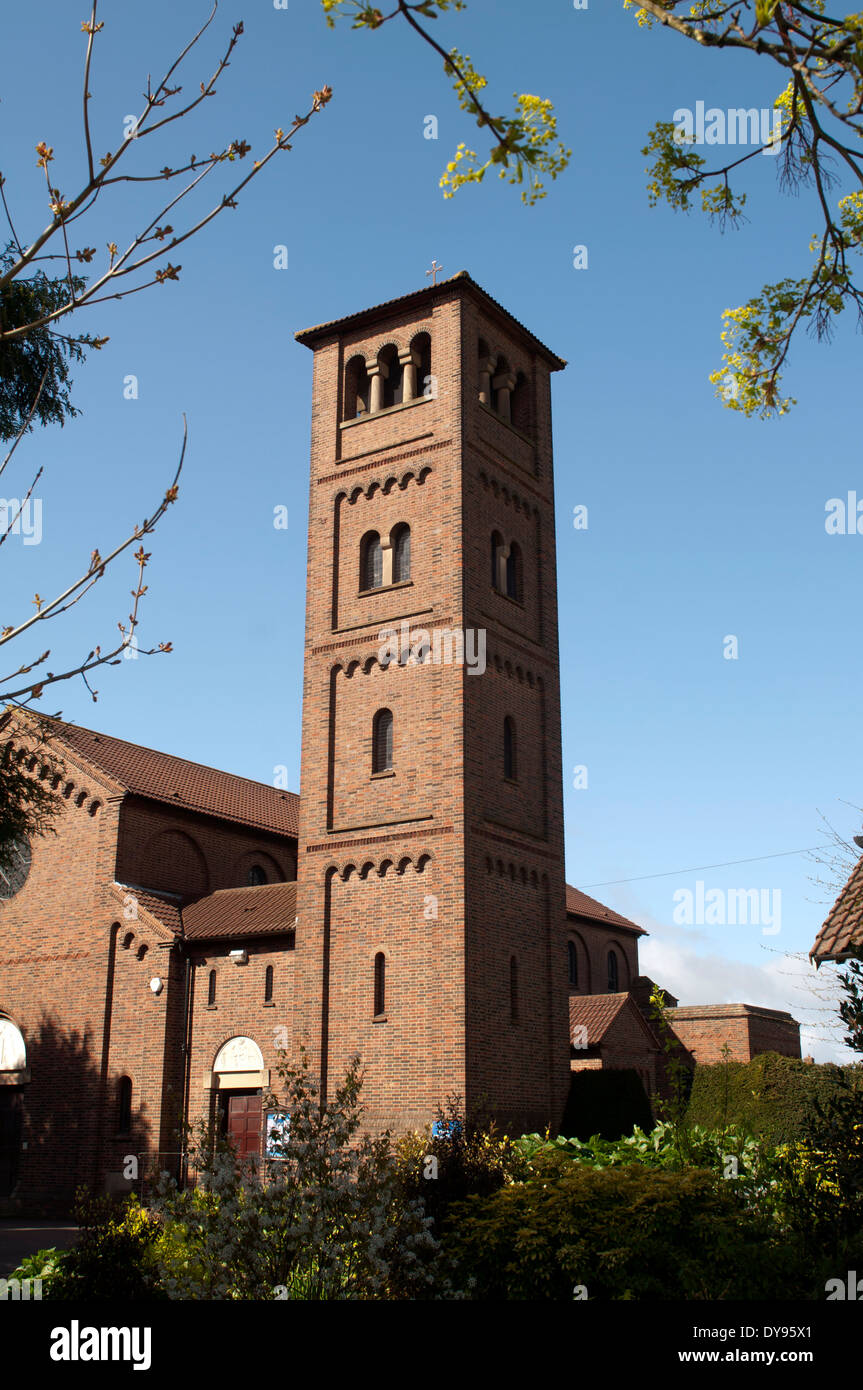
column 771, row 1097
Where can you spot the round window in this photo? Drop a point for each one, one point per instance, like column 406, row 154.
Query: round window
column 14, row 866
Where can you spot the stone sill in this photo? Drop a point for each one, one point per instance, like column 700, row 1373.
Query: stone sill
column 388, row 410
column 385, row 589
column 509, row 425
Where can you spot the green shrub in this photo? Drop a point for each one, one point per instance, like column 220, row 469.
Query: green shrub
column 772, row 1097
column 468, row 1159
column 112, row 1258
column 622, row 1233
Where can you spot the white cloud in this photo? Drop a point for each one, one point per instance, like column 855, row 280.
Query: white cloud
column 676, row 958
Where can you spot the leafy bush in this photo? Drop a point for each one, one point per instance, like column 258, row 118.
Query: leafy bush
column 112, row 1258
column 324, row 1219
column 660, row 1147
column 463, row 1158
column 43, row 1264
column 622, row 1233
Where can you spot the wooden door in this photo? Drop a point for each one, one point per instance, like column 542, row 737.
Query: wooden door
column 243, row 1121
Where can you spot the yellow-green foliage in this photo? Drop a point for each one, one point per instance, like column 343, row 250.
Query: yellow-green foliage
column 618, row 1233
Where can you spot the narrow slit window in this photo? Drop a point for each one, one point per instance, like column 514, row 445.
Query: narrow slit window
column 382, row 741
column 380, row 984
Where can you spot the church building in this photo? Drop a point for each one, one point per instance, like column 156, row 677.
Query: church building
column 183, row 923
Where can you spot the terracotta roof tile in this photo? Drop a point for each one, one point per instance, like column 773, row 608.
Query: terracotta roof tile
column 308, row 336
column 235, row 912
column 596, row 1013
column 166, row 910
column 844, row 924
column 178, row 782
column 580, row 905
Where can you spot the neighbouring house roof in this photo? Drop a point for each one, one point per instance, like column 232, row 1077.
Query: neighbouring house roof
column 578, row 904
column 597, row 1013
column 415, row 300
column 181, row 783
column 264, row 910
column 681, row 1011
column 843, row 928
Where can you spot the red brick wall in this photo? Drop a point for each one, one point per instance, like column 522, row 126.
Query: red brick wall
column 593, row 943
column 703, row 1030
column 179, row 852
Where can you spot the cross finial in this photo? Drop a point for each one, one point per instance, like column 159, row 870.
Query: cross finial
column 434, row 270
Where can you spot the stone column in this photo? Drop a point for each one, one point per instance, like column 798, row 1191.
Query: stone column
column 386, row 562
column 410, row 362
column 486, row 367
column 378, row 372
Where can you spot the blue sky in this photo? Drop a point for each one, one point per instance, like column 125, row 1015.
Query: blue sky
column 701, row 523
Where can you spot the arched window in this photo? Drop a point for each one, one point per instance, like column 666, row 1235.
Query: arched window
column 256, row 876
column 357, row 389
column 371, row 561
column 421, row 347
column 513, row 989
column 268, row 985
column 520, row 405
column 496, row 547
column 211, row 988
column 502, row 384
column 391, row 390
column 613, row 975
column 382, row 741
column 485, row 366
column 401, row 543
column 513, row 572
column 380, row 984
column 124, row 1105
column 509, row 761
column 572, row 956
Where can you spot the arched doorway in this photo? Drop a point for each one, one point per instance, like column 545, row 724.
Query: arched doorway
column 239, row 1074
column 13, row 1074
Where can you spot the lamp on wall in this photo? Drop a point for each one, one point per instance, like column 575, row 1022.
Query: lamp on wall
column 156, row 985
column 240, row 957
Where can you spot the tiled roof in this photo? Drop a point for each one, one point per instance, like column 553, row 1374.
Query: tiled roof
column 165, row 910
column 308, row 336
column 178, row 782
column 844, row 925
column 580, row 905
column 234, row 912
column 596, row 1013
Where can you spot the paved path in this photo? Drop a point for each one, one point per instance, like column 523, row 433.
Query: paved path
column 20, row 1236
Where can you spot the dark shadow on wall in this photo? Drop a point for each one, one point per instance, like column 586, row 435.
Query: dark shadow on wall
column 607, row 1103
column 61, row 1108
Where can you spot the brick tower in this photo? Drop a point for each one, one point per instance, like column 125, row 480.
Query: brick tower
column 431, row 898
